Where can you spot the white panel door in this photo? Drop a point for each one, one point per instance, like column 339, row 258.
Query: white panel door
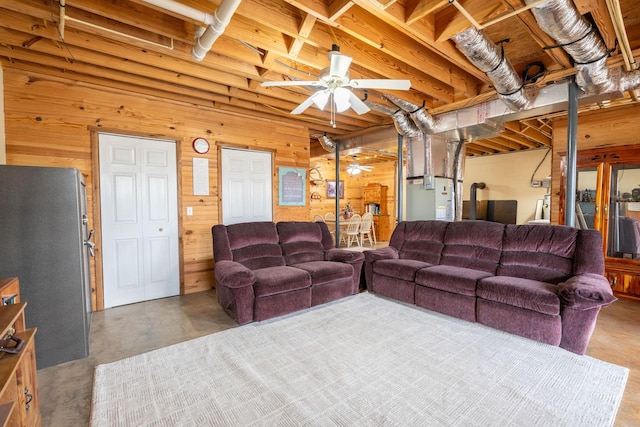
column 246, row 186
column 139, row 209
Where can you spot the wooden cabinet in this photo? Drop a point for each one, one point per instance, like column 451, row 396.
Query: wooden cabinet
column 18, row 380
column 374, row 199
column 608, row 200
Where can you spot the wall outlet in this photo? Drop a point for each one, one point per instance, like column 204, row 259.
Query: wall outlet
column 189, row 210
column 536, row 184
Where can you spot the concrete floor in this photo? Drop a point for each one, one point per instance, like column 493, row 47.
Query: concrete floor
column 65, row 390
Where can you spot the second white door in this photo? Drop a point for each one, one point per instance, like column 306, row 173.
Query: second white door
column 246, row 186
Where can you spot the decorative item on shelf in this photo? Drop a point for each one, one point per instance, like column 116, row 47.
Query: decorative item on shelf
column 347, row 211
column 315, row 196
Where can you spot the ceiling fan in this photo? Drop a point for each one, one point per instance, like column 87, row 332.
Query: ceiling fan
column 355, row 169
column 334, row 82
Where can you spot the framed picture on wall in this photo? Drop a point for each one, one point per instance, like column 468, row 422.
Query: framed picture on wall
column 332, row 189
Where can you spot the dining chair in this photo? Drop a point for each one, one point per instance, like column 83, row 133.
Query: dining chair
column 353, row 230
column 318, row 218
column 366, row 228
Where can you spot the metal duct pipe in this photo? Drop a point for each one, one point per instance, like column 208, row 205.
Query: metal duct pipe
column 327, row 143
column 216, row 23
column 473, row 198
column 423, row 120
column 490, row 59
column 561, row 20
column 403, row 124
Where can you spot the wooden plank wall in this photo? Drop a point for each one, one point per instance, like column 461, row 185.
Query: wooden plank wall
column 50, row 122
column 381, row 173
column 600, row 128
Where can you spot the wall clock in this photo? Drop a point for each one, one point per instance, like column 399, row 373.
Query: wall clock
column 200, row 145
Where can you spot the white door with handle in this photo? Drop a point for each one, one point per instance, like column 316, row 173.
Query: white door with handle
column 139, row 211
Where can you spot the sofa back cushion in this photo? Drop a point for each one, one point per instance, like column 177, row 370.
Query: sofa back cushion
column 303, row 241
column 539, row 252
column 473, row 244
column 252, row 244
column 419, row 240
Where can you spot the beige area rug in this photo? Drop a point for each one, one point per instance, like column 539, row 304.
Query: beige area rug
column 361, row 361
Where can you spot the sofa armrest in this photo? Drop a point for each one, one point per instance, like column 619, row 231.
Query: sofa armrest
column 353, row 258
column 370, row 257
column 343, row 255
column 388, row 252
column 233, row 274
column 585, row 291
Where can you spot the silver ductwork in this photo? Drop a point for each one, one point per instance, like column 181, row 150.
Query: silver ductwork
column 561, row 20
column 490, row 59
column 404, row 125
column 327, row 143
column 423, row 120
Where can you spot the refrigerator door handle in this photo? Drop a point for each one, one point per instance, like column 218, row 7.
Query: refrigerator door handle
column 90, row 244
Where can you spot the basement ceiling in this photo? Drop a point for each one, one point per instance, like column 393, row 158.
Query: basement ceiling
column 141, row 48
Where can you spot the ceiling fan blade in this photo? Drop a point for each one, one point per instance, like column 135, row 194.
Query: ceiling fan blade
column 380, row 84
column 339, row 64
column 292, row 83
column 357, row 105
column 304, row 105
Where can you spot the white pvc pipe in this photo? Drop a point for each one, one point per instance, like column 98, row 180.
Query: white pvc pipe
column 216, row 22
column 221, row 18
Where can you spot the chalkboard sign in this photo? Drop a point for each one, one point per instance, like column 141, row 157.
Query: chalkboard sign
column 292, row 186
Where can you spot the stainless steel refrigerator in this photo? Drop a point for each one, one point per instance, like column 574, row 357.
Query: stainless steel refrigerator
column 44, row 241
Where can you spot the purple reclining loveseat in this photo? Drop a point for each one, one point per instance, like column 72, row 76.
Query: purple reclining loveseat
column 543, row 282
column 264, row 270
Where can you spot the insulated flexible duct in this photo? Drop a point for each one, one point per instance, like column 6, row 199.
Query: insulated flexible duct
column 404, row 125
column 423, row 120
column 490, row 59
column 561, row 20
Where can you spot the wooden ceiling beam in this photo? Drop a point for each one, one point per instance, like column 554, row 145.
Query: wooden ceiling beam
column 502, row 144
column 529, row 132
column 422, row 30
column 519, row 139
column 449, row 21
column 418, row 9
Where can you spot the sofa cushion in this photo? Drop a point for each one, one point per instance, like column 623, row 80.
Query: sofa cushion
column 457, row 280
column 301, row 241
column 277, row 280
column 419, row 240
column 523, row 293
column 476, row 245
column 326, row 271
column 254, row 245
column 542, row 253
column 403, row 269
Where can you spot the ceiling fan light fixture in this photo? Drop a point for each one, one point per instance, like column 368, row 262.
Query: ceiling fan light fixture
column 320, row 99
column 341, row 99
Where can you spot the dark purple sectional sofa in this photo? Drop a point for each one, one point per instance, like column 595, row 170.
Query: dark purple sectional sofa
column 543, row 282
column 265, row 270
